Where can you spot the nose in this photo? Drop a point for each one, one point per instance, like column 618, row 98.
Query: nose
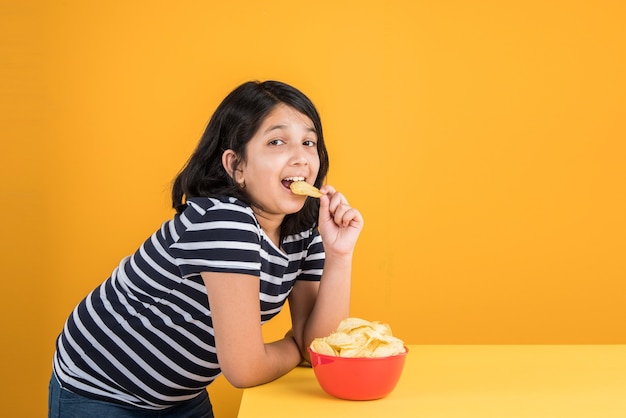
column 299, row 157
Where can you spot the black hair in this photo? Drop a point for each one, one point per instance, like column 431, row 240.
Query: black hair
column 233, row 124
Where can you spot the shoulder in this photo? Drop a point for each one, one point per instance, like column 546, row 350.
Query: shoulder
column 226, row 215
column 222, row 208
column 216, row 234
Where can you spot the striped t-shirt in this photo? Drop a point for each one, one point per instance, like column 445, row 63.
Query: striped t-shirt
column 144, row 337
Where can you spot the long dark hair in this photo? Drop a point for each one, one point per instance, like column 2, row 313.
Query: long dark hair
column 233, row 124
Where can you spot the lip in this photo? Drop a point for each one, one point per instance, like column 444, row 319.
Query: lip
column 299, row 177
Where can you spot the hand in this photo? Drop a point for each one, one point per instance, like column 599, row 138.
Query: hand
column 303, row 362
column 339, row 223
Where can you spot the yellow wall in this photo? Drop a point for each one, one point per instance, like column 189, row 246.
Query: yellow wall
column 484, row 142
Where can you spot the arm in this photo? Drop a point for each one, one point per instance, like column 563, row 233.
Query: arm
column 244, row 358
column 317, row 308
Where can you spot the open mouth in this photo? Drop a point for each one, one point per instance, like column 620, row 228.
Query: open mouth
column 288, row 180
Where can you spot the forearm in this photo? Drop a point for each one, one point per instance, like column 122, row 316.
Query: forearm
column 244, row 357
column 284, row 354
column 276, row 359
column 332, row 303
column 322, row 308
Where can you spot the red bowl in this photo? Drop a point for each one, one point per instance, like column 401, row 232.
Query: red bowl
column 357, row 378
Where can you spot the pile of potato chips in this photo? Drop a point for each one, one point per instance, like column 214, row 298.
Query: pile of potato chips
column 357, row 337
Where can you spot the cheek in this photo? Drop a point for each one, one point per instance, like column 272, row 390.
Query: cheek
column 262, row 172
column 316, row 165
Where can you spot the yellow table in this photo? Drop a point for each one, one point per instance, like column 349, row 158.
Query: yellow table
column 503, row 381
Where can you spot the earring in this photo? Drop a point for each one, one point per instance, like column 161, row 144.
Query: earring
column 242, row 185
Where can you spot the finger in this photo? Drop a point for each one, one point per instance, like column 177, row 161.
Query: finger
column 324, row 213
column 355, row 218
column 343, row 214
column 336, row 200
column 352, row 218
column 327, row 189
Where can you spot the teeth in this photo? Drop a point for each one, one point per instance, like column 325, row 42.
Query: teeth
column 294, row 178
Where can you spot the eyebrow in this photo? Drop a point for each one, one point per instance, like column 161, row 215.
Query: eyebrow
column 278, row 127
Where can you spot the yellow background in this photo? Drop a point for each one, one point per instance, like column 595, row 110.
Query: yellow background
column 483, row 141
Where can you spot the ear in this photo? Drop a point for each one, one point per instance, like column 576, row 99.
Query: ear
column 230, row 160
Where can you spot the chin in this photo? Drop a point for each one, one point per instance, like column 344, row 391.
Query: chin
column 294, row 209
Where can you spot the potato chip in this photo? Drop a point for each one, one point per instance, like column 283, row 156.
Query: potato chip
column 385, row 350
column 381, row 327
column 322, row 347
column 305, row 189
column 350, row 324
column 356, row 337
column 339, row 339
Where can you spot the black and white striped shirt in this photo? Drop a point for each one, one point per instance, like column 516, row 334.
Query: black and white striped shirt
column 144, row 337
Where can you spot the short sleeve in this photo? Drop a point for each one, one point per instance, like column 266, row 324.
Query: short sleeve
column 221, row 238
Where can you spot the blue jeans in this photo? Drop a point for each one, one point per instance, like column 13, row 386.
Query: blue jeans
column 65, row 404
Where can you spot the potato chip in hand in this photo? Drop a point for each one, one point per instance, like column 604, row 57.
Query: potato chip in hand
column 305, row 189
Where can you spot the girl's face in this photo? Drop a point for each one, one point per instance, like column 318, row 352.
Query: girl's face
column 282, row 150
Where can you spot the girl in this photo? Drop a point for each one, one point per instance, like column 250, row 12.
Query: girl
column 189, row 303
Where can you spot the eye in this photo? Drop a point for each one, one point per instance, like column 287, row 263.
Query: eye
column 276, row 141
column 309, row 143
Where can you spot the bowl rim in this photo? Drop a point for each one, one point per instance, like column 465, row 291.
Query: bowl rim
column 406, row 351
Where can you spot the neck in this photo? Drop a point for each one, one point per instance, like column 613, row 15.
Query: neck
column 270, row 224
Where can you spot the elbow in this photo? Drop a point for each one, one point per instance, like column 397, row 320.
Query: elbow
column 302, row 344
column 240, row 379
column 242, row 375
column 240, row 384
column 304, row 353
